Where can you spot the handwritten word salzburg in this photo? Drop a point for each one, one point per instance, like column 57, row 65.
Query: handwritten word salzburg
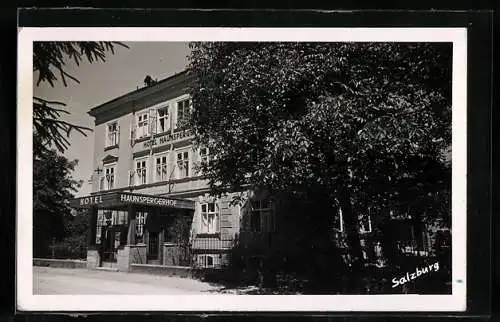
column 413, row 275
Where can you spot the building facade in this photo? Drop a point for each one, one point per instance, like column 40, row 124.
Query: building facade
column 149, row 196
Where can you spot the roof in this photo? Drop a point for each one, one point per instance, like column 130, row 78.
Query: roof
column 144, row 91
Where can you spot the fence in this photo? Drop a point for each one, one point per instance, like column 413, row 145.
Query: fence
column 63, row 251
column 185, row 255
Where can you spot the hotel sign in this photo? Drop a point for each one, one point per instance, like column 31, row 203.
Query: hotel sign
column 90, row 201
column 118, row 199
column 163, row 139
column 147, row 200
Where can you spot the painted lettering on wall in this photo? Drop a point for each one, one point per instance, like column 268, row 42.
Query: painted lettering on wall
column 91, row 200
column 167, row 138
column 148, row 200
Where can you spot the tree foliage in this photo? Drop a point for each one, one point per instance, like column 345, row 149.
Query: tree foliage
column 365, row 123
column 49, row 61
column 53, row 187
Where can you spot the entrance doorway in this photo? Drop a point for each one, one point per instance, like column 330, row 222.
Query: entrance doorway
column 110, row 240
column 153, row 245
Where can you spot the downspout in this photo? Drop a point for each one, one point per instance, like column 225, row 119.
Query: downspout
column 131, row 172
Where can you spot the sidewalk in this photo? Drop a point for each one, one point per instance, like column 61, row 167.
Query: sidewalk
column 48, row 280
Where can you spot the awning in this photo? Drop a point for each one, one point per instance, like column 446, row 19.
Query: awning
column 119, row 199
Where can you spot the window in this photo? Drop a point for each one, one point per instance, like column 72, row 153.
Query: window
column 109, row 178
column 142, row 125
column 100, row 223
column 183, row 164
column 365, row 223
column 206, row 261
column 182, row 113
column 205, row 156
column 262, row 216
column 209, row 218
column 410, row 237
column 162, row 119
column 161, row 168
column 339, row 221
column 140, row 172
column 112, row 134
column 139, row 228
column 121, row 217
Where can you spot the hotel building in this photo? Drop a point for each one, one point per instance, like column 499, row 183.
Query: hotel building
column 149, row 202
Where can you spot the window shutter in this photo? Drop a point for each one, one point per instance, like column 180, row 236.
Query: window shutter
column 153, row 116
column 132, row 132
column 106, row 135
column 245, row 218
column 218, row 214
column 265, row 221
column 130, row 177
column 225, row 221
column 118, row 134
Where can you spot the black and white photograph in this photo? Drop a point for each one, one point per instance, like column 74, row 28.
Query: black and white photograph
column 244, row 169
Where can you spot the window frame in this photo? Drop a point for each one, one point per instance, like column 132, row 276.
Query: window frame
column 138, row 182
column 206, row 158
column 341, row 221
column 262, row 210
column 165, row 117
column 341, row 229
column 158, row 178
column 203, row 260
column 140, row 217
column 215, row 212
column 185, row 162
column 100, row 222
column 362, row 226
column 139, row 134
column 106, row 167
column 178, row 125
column 116, row 141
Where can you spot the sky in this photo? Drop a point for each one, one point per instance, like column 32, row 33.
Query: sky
column 103, row 81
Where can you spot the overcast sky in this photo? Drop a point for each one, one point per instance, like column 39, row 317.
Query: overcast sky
column 101, row 82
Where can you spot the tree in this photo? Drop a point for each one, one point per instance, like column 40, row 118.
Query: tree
column 75, row 234
column 355, row 126
column 49, row 60
column 53, row 186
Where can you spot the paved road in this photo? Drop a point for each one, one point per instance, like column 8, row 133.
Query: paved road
column 82, row 281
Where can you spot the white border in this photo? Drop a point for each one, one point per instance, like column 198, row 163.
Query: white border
column 29, row 302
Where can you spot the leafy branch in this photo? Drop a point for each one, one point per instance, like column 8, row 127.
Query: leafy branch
column 49, row 60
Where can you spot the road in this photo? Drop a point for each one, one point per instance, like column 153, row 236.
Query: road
column 48, row 280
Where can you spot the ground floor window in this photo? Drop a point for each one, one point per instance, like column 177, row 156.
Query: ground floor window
column 364, row 222
column 109, row 218
column 207, row 261
column 209, row 218
column 139, row 229
column 262, row 216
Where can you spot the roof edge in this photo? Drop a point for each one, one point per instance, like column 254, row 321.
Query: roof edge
column 116, row 101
